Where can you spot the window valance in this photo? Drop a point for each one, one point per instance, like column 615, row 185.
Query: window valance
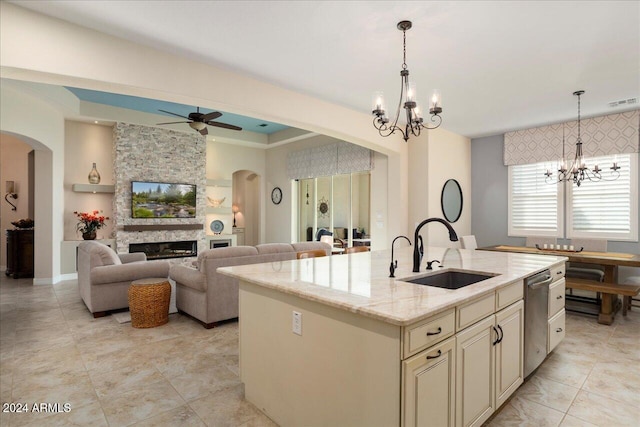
column 329, row 160
column 603, row 135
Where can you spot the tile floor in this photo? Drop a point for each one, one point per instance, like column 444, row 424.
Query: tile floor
column 53, row 351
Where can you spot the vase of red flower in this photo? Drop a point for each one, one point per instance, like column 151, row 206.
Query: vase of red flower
column 89, row 223
column 91, row 235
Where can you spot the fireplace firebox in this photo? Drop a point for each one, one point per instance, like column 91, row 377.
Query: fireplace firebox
column 162, row 250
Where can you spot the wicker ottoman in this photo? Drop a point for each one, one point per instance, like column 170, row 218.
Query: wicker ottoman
column 149, row 302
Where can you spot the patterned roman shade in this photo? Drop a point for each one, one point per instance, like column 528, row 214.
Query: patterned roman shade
column 329, row 160
column 603, row 135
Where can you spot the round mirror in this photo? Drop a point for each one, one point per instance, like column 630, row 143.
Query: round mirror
column 451, row 200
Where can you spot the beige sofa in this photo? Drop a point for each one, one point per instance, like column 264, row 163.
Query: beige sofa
column 104, row 276
column 211, row 297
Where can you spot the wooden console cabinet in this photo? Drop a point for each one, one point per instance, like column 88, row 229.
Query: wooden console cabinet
column 19, row 253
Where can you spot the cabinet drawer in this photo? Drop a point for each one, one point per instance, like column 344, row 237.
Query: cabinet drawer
column 556, row 331
column 476, row 310
column 558, row 272
column 509, row 294
column 556, row 297
column 428, row 332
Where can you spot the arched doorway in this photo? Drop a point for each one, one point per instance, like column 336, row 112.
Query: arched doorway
column 32, row 201
column 247, row 197
column 46, row 137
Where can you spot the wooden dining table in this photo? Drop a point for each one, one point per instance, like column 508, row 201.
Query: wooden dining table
column 609, row 260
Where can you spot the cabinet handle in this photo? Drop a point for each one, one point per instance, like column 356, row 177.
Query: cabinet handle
column 559, row 297
column 559, row 272
column 559, row 330
column 436, row 356
column 501, row 334
column 497, row 336
column 434, row 333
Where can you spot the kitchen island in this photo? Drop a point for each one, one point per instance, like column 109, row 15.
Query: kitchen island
column 335, row 341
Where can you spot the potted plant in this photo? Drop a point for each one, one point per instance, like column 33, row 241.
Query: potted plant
column 89, row 223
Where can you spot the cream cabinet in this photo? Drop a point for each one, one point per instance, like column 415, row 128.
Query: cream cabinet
column 509, row 351
column 490, row 364
column 461, row 365
column 475, row 374
column 428, row 385
column 556, row 330
column 556, row 322
column 428, row 332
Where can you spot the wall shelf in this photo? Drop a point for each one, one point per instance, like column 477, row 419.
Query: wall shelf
column 219, row 182
column 93, row 188
column 222, row 210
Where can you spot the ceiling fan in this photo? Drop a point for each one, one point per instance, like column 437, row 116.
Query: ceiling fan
column 199, row 121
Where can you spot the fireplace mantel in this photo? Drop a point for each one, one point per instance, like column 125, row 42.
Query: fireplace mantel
column 162, row 227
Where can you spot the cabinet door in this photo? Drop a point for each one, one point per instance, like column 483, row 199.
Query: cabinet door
column 509, row 351
column 428, row 381
column 475, row 377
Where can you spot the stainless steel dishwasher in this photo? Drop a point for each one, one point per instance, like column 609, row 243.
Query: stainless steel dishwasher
column 536, row 315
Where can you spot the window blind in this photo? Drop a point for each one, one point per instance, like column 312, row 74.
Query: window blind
column 604, row 208
column 533, row 203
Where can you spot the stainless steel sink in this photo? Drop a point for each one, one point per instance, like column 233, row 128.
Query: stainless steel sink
column 450, row 279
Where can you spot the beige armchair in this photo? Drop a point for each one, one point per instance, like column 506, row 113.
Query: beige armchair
column 104, row 276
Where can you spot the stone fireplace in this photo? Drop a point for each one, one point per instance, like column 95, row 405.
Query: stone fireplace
column 144, row 153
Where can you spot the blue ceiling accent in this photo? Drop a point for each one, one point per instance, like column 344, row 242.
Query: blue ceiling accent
column 153, row 105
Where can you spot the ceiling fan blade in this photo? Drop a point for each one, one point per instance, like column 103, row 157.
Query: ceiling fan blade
column 211, row 116
column 173, row 114
column 204, row 131
column 224, row 125
column 170, row 123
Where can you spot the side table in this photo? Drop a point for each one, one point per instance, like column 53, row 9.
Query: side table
column 19, row 253
column 149, row 302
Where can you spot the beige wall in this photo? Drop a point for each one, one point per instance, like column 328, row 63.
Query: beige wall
column 38, row 57
column 435, row 157
column 223, row 160
column 46, row 136
column 449, row 157
column 418, row 181
column 13, row 167
column 247, row 187
column 280, row 217
column 87, row 143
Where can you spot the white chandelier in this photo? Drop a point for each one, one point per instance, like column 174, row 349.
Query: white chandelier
column 577, row 171
column 415, row 122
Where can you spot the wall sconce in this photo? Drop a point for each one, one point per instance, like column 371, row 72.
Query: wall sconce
column 235, row 209
column 10, row 190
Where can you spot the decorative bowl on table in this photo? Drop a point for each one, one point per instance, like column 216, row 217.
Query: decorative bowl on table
column 23, row 223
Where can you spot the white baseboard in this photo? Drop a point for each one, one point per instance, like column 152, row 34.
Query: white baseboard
column 47, row 280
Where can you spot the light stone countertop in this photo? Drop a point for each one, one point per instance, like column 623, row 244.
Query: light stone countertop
column 359, row 282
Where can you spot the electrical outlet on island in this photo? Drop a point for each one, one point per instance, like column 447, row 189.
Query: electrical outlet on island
column 297, row 323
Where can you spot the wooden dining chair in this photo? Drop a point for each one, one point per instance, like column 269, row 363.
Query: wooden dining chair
column 315, row 253
column 355, row 249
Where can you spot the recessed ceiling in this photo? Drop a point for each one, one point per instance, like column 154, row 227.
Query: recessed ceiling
column 500, row 65
column 153, row 105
